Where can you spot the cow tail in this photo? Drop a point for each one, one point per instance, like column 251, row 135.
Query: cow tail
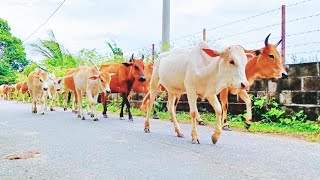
column 145, row 100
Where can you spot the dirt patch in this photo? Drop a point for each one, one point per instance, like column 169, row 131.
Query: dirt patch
column 22, row 155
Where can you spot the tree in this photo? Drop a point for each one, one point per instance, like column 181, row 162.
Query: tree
column 55, row 55
column 13, row 53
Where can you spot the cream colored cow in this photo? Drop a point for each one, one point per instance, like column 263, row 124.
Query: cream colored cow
column 90, row 81
column 197, row 71
column 55, row 87
column 38, row 84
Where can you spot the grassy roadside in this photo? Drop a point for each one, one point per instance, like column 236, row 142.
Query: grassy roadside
column 309, row 131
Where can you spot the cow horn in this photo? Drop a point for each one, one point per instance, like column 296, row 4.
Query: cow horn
column 131, row 59
column 278, row 43
column 142, row 57
column 266, row 40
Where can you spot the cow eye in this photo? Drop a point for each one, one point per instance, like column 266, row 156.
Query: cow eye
column 271, row 56
column 40, row 80
column 231, row 62
column 102, row 80
column 136, row 67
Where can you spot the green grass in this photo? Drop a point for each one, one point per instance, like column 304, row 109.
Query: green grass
column 309, row 131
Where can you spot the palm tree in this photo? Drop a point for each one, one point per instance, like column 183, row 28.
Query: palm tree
column 52, row 50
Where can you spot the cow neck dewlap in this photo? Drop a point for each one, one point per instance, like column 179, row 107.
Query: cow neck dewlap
column 251, row 69
column 214, row 75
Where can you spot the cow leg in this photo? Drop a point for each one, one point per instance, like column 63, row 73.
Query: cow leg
column 149, row 106
column 155, row 113
column 245, row 97
column 52, row 102
column 43, row 102
column 17, row 96
column 224, row 104
column 80, row 110
column 94, row 108
column 192, row 100
column 128, row 106
column 122, row 106
column 213, row 100
column 171, row 109
column 34, row 102
column 104, row 98
column 23, row 98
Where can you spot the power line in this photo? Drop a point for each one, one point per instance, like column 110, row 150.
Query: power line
column 297, row 3
column 44, row 21
column 305, row 52
column 296, row 45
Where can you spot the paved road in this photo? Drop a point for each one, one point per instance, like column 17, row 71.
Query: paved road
column 115, row 149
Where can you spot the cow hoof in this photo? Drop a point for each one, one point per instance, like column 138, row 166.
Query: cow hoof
column 215, row 137
column 83, row 118
column 180, row 135
column 226, row 128
column 122, row 118
column 79, row 116
column 202, row 123
column 146, row 130
column 34, row 112
column 95, row 119
column 51, row 109
column 156, row 116
column 42, row 113
column 105, row 116
column 89, row 113
column 92, row 115
column 65, row 109
column 130, row 119
column 247, row 125
column 74, row 111
column 195, row 141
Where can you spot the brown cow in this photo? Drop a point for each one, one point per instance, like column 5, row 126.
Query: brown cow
column 22, row 88
column 126, row 74
column 8, row 91
column 143, row 87
column 68, row 87
column 38, row 84
column 89, row 80
column 1, row 91
column 267, row 64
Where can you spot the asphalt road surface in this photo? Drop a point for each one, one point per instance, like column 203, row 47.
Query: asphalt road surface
column 117, row 149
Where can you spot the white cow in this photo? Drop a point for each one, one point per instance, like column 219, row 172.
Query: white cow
column 197, row 71
column 90, row 81
column 55, row 88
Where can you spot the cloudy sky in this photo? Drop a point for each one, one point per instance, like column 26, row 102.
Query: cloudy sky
column 136, row 24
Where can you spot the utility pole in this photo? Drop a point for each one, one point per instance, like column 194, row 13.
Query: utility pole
column 283, row 34
column 165, row 25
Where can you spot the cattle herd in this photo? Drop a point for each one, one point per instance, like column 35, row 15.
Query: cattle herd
column 198, row 71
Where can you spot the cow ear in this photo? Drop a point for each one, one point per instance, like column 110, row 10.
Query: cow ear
column 94, row 77
column 127, row 64
column 59, row 81
column 142, row 57
column 249, row 56
column 131, row 59
column 257, row 52
column 210, row 52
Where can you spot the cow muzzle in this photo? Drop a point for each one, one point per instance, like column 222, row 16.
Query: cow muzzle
column 108, row 91
column 244, row 85
column 284, row 75
column 142, row 78
column 45, row 89
column 58, row 89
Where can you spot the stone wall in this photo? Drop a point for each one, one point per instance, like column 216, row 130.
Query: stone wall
column 301, row 90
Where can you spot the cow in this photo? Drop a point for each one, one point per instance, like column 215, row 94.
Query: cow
column 8, row 91
column 143, row 87
column 92, row 82
column 126, row 74
column 70, row 87
column 38, row 84
column 21, row 88
column 197, row 71
column 266, row 64
column 1, row 91
column 55, row 89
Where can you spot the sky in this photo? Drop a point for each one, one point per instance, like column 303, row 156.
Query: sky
column 135, row 25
